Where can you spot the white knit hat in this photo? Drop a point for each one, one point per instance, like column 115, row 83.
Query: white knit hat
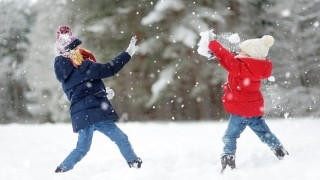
column 257, row 48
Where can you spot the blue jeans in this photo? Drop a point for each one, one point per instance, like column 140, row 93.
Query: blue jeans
column 108, row 128
column 236, row 126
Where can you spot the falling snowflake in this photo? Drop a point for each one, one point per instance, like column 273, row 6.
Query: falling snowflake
column 246, row 81
column 104, row 106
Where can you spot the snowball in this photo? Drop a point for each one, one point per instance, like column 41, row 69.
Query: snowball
column 228, row 40
column 234, row 38
column 205, row 39
column 110, row 93
column 271, row 79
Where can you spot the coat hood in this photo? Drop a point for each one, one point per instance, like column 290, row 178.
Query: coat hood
column 63, row 68
column 256, row 68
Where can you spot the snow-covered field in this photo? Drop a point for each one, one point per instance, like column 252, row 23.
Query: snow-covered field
column 170, row 151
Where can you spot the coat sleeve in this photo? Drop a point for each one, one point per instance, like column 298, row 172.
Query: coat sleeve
column 225, row 57
column 99, row 70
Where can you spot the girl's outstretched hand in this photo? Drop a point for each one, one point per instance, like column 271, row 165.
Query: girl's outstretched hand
column 132, row 48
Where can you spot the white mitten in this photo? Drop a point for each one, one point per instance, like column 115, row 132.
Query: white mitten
column 132, row 48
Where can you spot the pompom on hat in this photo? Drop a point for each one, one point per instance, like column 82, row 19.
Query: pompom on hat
column 65, row 40
column 257, row 48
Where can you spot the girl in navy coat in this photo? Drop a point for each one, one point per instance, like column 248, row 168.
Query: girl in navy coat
column 81, row 79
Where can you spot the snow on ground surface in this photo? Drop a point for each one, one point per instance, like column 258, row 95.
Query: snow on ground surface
column 170, row 151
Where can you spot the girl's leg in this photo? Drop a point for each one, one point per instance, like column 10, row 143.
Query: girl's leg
column 110, row 129
column 261, row 129
column 83, row 146
column 236, row 126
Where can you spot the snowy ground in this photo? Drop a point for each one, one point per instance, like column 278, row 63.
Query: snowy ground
column 170, row 151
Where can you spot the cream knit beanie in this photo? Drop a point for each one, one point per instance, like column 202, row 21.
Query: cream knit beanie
column 257, row 48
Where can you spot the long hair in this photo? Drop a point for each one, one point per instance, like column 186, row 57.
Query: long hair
column 78, row 55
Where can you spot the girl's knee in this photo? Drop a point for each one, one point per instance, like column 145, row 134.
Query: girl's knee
column 122, row 137
column 121, row 140
column 225, row 140
column 83, row 149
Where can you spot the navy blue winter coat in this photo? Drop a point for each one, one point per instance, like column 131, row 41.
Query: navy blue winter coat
column 86, row 91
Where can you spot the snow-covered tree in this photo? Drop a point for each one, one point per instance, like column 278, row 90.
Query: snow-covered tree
column 173, row 32
column 295, row 56
column 49, row 103
column 167, row 79
column 16, row 21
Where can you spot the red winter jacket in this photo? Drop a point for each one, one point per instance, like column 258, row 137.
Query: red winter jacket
column 242, row 94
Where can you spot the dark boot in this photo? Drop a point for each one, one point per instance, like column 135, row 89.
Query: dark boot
column 136, row 163
column 228, row 160
column 60, row 170
column 280, row 152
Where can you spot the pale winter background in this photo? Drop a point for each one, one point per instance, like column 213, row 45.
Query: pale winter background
column 165, row 93
column 167, row 79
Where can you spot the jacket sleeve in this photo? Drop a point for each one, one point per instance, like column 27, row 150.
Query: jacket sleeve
column 99, row 70
column 225, row 57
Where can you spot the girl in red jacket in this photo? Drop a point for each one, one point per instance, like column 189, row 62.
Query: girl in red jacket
column 242, row 97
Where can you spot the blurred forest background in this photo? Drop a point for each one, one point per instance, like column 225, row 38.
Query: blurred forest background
column 167, row 79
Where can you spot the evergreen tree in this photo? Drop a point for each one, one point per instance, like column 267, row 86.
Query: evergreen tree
column 296, row 54
column 167, row 79
column 16, row 21
column 49, row 104
column 173, row 29
column 106, row 27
